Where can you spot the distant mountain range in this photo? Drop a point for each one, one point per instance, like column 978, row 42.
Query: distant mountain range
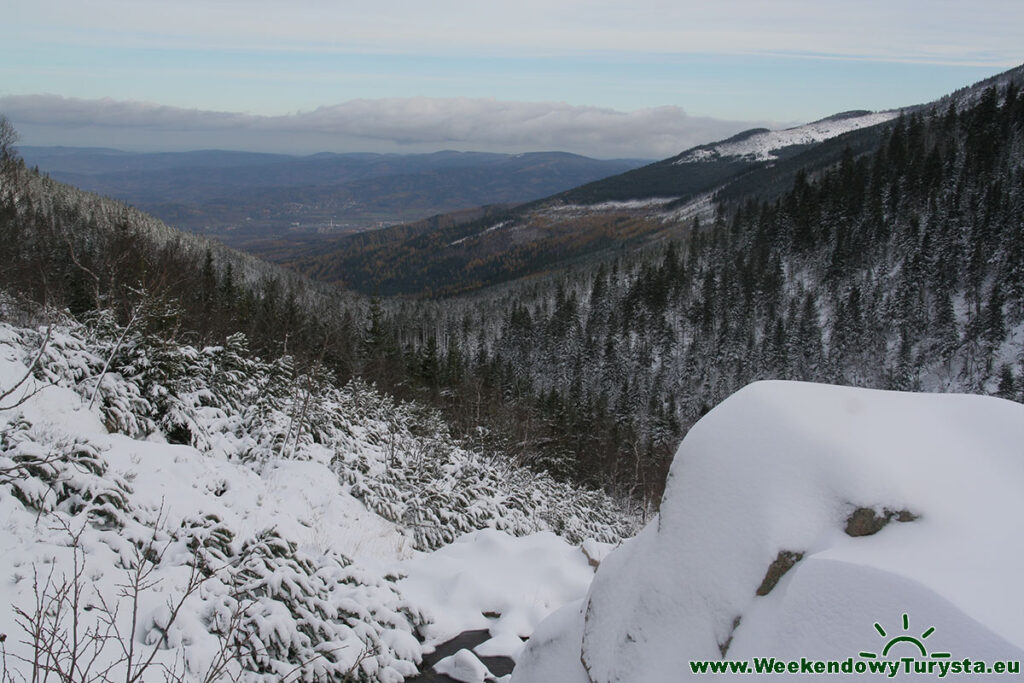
column 465, row 251
column 251, row 200
column 890, row 255
column 458, row 253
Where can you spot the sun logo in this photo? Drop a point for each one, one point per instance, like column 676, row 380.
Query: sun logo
column 917, row 642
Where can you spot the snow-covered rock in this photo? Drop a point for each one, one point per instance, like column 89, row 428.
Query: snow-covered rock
column 796, row 518
column 463, row 666
column 490, row 580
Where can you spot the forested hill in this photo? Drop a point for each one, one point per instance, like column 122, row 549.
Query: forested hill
column 261, row 202
column 452, row 254
column 71, row 249
column 900, row 269
column 455, row 254
column 898, row 266
column 96, row 259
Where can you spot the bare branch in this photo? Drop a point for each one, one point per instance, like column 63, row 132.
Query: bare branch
column 65, row 648
column 117, row 347
column 27, row 375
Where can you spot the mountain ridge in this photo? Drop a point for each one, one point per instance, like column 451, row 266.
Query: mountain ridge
column 250, row 199
column 537, row 236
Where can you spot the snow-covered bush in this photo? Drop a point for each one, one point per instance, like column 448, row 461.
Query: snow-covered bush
column 163, row 532
column 47, row 473
column 399, row 458
column 287, row 614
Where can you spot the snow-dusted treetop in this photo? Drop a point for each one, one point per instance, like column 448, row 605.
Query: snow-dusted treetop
column 796, row 516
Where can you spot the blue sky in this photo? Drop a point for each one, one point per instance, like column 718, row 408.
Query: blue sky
column 645, row 78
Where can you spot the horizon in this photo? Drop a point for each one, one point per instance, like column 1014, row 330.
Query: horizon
column 600, row 79
column 220, row 150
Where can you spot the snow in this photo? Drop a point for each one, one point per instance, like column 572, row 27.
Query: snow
column 612, row 206
column 553, row 653
column 490, row 580
column 170, row 486
column 781, row 466
column 762, row 146
column 463, row 666
column 167, row 491
column 702, row 206
column 308, row 570
column 496, row 226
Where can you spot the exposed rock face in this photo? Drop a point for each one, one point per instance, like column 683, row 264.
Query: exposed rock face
column 775, row 539
column 867, row 522
column 782, row 564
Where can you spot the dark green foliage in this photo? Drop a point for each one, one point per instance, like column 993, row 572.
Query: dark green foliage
column 898, row 267
column 895, row 258
column 66, row 475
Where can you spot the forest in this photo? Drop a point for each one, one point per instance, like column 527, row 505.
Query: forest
column 901, row 267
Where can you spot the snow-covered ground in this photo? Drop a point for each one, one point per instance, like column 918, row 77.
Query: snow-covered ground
column 496, row 226
column 612, row 206
column 168, row 496
column 762, row 146
column 294, row 571
column 702, row 207
column 796, row 518
column 490, row 580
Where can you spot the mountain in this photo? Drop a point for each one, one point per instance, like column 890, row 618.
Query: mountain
column 250, row 200
column 202, row 484
column 707, row 167
column 886, row 257
column 148, row 375
column 629, row 210
column 896, row 268
column 632, row 210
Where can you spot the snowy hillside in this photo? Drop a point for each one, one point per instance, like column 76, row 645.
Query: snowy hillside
column 796, row 517
column 763, row 145
column 280, row 537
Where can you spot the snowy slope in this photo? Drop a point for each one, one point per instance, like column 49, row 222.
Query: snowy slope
column 261, row 558
column 762, row 146
column 174, row 508
column 785, row 470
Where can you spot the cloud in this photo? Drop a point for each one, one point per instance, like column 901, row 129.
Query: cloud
column 55, row 110
column 394, row 124
column 944, row 31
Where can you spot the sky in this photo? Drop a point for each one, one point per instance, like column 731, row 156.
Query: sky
column 637, row 78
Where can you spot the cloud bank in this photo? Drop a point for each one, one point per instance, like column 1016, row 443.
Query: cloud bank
column 398, row 124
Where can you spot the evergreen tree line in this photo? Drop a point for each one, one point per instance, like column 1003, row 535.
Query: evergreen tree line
column 88, row 255
column 75, row 251
column 899, row 268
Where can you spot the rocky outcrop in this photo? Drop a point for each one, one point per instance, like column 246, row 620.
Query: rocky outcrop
column 776, row 538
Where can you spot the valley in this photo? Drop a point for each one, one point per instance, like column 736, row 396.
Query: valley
column 265, row 202
column 592, row 426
